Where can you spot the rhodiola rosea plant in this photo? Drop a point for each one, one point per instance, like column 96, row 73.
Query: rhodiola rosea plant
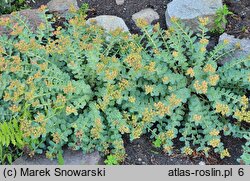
column 85, row 87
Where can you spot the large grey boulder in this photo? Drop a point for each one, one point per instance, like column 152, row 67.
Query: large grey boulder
column 70, row 158
column 31, row 15
column 109, row 23
column 242, row 44
column 61, row 6
column 189, row 11
column 119, row 2
column 148, row 14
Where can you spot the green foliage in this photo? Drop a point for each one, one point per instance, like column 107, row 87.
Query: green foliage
column 111, row 160
column 220, row 20
column 60, row 158
column 83, row 9
column 8, row 6
column 245, row 158
column 10, row 140
column 84, row 87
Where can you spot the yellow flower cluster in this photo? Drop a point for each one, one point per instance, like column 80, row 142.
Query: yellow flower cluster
column 165, row 79
column 131, row 99
column 136, row 133
column 142, row 23
column 213, row 79
column 187, row 151
column 244, row 100
column 15, row 108
column 134, row 60
column 242, row 115
column 123, row 84
column 70, row 110
column 190, row 72
column 148, row 89
column 222, row 108
column 161, row 109
column 204, row 21
column 175, row 54
column 69, row 88
column 147, row 115
column 111, row 74
column 209, row 68
column 225, row 153
column 170, row 134
column 40, row 118
column 197, row 117
column 56, row 137
column 214, row 132
column 60, row 99
column 214, row 142
column 204, row 41
column 226, row 41
column 150, row 67
column 97, row 129
column 167, row 149
column 174, row 101
column 200, row 87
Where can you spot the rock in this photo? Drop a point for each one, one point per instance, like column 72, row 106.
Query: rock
column 31, row 15
column 109, row 23
column 232, row 42
column 70, row 158
column 148, row 14
column 119, row 2
column 61, row 6
column 189, row 11
column 202, row 163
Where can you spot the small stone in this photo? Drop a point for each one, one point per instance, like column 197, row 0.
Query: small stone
column 148, row 14
column 243, row 45
column 139, row 159
column 70, row 158
column 61, row 6
column 202, row 163
column 119, row 2
column 189, row 11
column 31, row 15
column 109, row 23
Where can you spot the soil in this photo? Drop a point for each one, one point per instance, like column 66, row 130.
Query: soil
column 239, row 22
column 141, row 151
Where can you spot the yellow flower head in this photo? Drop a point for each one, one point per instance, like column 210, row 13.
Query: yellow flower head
column 142, row 23
column 214, row 132
column 134, row 60
column 162, row 109
column 204, row 21
column 222, row 108
column 204, row 41
column 190, row 72
column 173, row 100
column 225, row 153
column 209, row 68
column 175, row 54
column 187, row 151
column 131, row 99
column 213, row 79
column 170, row 134
column 226, row 41
column 149, row 89
column 197, row 117
column 244, row 100
column 200, row 87
column 214, row 142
